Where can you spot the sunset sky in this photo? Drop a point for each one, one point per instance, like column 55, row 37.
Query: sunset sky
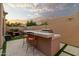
column 34, row 10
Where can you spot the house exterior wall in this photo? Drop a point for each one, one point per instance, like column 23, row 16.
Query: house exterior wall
column 2, row 16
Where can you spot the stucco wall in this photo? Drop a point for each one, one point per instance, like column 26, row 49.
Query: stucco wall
column 69, row 29
column 36, row 27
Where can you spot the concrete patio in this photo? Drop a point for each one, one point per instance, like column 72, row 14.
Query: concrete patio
column 14, row 48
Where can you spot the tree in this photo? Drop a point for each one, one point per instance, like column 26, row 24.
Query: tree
column 31, row 23
column 28, row 23
column 8, row 24
column 44, row 23
column 17, row 24
column 13, row 24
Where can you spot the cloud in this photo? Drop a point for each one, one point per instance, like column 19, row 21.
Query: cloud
column 32, row 10
column 33, row 15
column 49, row 7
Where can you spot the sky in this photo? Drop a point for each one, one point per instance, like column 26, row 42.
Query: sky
column 34, row 10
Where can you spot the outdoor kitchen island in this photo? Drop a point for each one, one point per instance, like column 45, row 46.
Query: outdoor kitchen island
column 48, row 43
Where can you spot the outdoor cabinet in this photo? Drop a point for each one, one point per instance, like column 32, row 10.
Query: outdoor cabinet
column 48, row 46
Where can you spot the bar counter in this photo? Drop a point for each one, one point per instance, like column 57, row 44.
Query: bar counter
column 47, row 43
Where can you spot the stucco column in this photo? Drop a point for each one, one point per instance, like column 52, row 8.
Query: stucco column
column 1, row 24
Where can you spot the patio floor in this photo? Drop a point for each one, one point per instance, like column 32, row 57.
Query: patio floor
column 14, row 48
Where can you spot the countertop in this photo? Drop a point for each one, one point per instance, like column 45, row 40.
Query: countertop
column 43, row 34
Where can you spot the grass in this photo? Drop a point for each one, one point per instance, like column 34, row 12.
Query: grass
column 17, row 37
column 4, row 48
column 0, row 51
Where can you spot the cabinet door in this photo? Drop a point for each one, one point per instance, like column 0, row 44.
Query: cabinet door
column 44, row 45
column 55, row 46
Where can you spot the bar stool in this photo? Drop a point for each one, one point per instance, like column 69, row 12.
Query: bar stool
column 29, row 41
column 24, row 40
column 30, row 44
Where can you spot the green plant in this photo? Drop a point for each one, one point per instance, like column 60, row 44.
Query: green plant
column 17, row 37
column 44, row 23
column 4, row 48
